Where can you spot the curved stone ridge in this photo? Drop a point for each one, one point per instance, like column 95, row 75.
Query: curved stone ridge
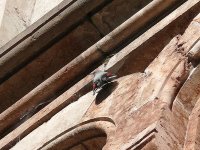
column 153, row 48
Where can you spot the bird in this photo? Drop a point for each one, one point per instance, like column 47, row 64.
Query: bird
column 101, row 78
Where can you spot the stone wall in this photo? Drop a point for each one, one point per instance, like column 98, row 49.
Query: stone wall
column 42, row 7
column 152, row 46
column 16, row 16
column 2, row 5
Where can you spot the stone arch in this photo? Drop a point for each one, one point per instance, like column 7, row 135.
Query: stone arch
column 187, row 107
column 189, row 93
column 87, row 135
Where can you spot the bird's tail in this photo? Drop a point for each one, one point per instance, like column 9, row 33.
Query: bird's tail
column 111, row 78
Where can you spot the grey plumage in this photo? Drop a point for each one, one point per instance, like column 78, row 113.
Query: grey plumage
column 101, row 78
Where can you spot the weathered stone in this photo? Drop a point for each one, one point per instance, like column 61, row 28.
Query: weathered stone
column 42, row 7
column 36, row 96
column 192, row 139
column 65, row 119
column 47, row 64
column 154, row 105
column 43, row 33
column 148, row 44
column 116, row 13
column 144, row 102
column 16, row 19
column 2, row 8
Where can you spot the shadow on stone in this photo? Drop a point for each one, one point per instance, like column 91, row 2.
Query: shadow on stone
column 105, row 91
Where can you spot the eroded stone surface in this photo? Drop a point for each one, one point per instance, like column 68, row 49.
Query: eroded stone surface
column 143, row 97
column 116, row 13
column 47, row 64
column 2, row 8
column 138, row 106
column 68, row 117
column 16, row 18
column 42, row 7
column 192, row 139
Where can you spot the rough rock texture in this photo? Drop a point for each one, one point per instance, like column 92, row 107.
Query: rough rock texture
column 16, row 18
column 116, row 13
column 20, row 14
column 192, row 140
column 153, row 104
column 2, row 8
column 53, row 58
column 145, row 121
column 42, row 7
column 64, row 120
